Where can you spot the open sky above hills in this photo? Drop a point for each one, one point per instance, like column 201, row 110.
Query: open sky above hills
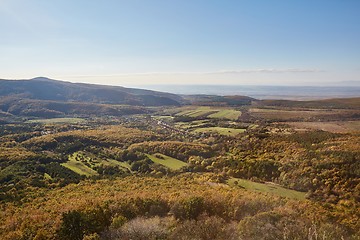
column 137, row 42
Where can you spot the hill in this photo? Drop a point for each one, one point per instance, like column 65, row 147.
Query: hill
column 10, row 106
column 52, row 90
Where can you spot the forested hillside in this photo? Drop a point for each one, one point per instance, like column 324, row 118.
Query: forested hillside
column 81, row 164
column 47, row 89
column 193, row 172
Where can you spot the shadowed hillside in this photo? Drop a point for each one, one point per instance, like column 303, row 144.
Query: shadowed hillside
column 47, row 89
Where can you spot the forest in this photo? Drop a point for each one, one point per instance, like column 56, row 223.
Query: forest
column 183, row 172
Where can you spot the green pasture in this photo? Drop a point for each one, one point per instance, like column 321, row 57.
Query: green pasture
column 192, row 124
column 79, row 167
column 57, row 120
column 266, row 188
column 220, row 130
column 166, row 161
column 226, row 114
column 84, row 162
column 209, row 112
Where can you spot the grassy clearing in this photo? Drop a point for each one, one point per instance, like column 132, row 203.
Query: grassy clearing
column 113, row 162
column 167, row 161
column 57, row 120
column 84, row 162
column 79, row 167
column 220, row 130
column 192, row 124
column 95, row 161
column 266, row 188
column 210, row 112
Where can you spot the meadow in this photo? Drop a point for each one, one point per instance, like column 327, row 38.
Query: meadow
column 166, row 161
column 207, row 112
column 219, row 130
column 84, row 163
column 270, row 188
column 57, row 120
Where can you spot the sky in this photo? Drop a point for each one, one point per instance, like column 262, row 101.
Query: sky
column 144, row 42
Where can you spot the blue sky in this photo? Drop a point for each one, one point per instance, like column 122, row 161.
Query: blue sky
column 181, row 41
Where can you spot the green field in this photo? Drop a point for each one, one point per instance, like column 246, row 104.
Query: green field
column 94, row 160
column 209, row 112
column 167, row 161
column 220, row 130
column 57, row 120
column 226, row 114
column 192, row 124
column 162, row 117
column 84, row 162
column 266, row 188
column 79, row 167
column 197, row 112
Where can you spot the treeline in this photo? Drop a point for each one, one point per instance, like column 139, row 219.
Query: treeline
column 72, row 141
column 179, row 150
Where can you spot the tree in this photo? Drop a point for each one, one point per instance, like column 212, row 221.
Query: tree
column 72, row 226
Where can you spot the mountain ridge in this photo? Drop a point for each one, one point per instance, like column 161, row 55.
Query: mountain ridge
column 42, row 88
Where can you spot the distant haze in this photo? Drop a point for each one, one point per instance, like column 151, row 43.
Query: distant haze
column 263, row 92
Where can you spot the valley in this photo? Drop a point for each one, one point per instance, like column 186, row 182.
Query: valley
column 230, row 163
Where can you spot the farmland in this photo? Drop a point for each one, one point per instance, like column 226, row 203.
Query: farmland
column 191, row 124
column 336, row 127
column 208, row 112
column 219, row 130
column 57, row 120
column 226, row 114
column 293, row 114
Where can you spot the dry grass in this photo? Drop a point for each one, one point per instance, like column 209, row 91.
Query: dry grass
column 335, row 127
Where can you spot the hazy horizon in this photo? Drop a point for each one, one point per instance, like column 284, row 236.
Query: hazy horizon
column 300, row 92
column 181, row 42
